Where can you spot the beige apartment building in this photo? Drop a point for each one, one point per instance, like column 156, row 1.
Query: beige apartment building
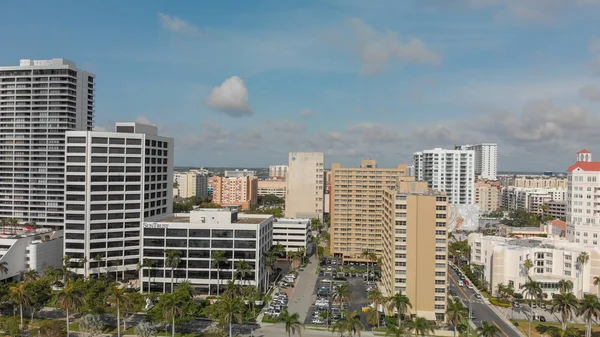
column 415, row 257
column 539, row 182
column 190, row 184
column 356, row 206
column 275, row 187
column 305, row 185
column 240, row 191
column 487, row 195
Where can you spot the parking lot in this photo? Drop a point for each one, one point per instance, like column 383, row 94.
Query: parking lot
column 331, row 275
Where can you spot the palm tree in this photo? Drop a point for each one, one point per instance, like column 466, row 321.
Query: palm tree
column 582, row 260
column 147, row 264
column 341, row 293
column 366, row 254
column 171, row 310
column 18, row 295
column 172, row 260
column 488, row 330
column 186, row 289
column 292, row 322
column 98, row 258
column 31, row 275
column 531, row 289
column 233, row 309
column 3, row 267
column 374, row 259
column 270, row 261
column 278, row 249
column 401, row 303
column 456, row 313
column 528, row 264
column 232, row 289
column 218, row 258
column 242, row 270
column 117, row 297
column 69, row 299
column 377, row 298
column 589, row 308
column 350, row 323
column 394, row 330
column 566, row 305
column 597, row 284
column 420, row 326
column 565, row 286
column 84, row 262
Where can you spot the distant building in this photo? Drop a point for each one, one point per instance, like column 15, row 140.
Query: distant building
column 241, row 190
column 278, row 171
column 239, row 174
column 274, row 187
column 538, row 182
column 556, row 208
column 305, row 185
column 198, row 235
column 487, row 195
column 415, row 247
column 486, row 159
column 191, row 184
column 293, row 234
column 583, row 214
column 529, row 199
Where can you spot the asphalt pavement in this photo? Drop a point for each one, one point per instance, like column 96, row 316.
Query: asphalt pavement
column 479, row 308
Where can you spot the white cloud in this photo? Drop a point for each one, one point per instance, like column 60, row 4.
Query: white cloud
column 306, row 112
column 286, row 126
column 231, row 98
column 178, row 25
column 143, row 120
column 376, row 50
column 590, row 92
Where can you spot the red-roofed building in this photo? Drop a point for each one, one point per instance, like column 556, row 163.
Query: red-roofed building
column 583, row 200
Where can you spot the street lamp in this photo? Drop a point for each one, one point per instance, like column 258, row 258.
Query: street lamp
column 470, row 311
column 530, row 319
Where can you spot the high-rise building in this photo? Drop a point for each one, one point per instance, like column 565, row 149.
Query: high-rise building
column 450, row 171
column 486, row 159
column 583, row 216
column 305, row 185
column 278, row 171
column 114, row 182
column 241, row 191
column 191, row 184
column 415, row 248
column 487, row 195
column 39, row 101
column 355, row 211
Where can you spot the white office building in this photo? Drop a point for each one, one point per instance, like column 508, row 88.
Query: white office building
column 486, row 159
column 278, row 171
column 554, row 259
column 583, row 200
column 529, row 199
column 114, row 182
column 305, row 185
column 293, row 234
column 39, row 101
column 26, row 248
column 450, row 171
column 197, row 236
column 191, row 184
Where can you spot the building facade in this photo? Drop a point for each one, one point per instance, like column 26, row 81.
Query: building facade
column 415, row 257
column 293, row 234
column 554, row 259
column 487, row 195
column 449, row 171
column 274, row 187
column 39, row 101
column 583, row 208
column 305, row 185
column 486, row 159
column 241, row 191
column 278, row 171
column 191, row 184
column 529, row 199
column 197, row 236
column 538, row 182
column 239, row 173
column 356, row 208
column 114, row 182
column 556, row 208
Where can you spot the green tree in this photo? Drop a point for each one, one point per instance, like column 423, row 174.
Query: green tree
column 341, row 293
column 3, row 267
column 456, row 313
column 69, row 299
column 30, row 275
column 242, row 270
column 270, row 261
column 291, row 322
column 18, row 295
column 39, row 293
column 171, row 310
column 116, row 297
column 528, row 264
column 488, row 330
column 172, row 260
column 554, row 331
column 91, row 324
column 597, row 284
column 50, row 328
column 366, row 254
column 420, row 326
column 589, row 309
column 565, row 286
column 394, row 330
column 401, row 303
column 377, row 298
column 349, row 323
column 531, row 289
column 227, row 310
column 147, row 264
column 582, row 260
column 218, row 259
column 566, row 305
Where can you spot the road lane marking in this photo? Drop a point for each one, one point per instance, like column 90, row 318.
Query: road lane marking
column 497, row 326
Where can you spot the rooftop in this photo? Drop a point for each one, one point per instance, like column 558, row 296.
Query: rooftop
column 186, row 219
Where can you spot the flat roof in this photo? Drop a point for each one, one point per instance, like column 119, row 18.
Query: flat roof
column 186, row 219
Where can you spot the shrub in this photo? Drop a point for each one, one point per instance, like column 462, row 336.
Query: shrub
column 499, row 303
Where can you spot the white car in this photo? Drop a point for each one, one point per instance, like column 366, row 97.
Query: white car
column 461, row 284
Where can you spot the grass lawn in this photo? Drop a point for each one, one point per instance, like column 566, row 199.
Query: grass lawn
column 537, row 328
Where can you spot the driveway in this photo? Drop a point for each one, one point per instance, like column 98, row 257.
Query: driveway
column 303, row 295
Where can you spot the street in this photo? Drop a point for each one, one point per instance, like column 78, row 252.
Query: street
column 481, row 310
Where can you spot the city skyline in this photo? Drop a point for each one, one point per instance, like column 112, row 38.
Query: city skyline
column 244, row 85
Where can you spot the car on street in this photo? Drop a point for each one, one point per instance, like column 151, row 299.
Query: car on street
column 478, row 296
column 461, row 283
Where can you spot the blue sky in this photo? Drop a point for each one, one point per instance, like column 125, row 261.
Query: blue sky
column 241, row 83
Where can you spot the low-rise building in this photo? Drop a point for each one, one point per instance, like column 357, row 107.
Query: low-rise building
column 197, row 236
column 503, row 260
column 529, row 199
column 538, row 182
column 278, row 171
column 293, row 234
column 556, row 208
column 274, row 187
column 25, row 248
